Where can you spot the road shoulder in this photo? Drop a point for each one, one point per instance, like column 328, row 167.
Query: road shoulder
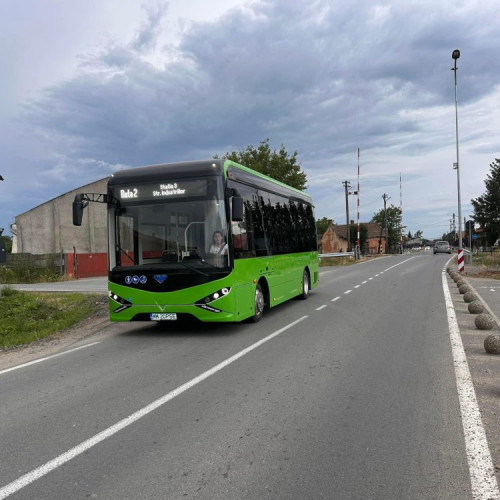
column 484, row 368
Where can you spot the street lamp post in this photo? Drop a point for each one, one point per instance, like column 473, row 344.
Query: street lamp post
column 455, row 55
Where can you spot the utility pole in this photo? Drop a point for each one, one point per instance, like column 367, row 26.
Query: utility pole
column 347, row 185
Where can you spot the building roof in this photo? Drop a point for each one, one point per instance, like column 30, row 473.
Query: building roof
column 374, row 229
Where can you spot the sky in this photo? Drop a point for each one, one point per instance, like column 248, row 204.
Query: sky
column 93, row 86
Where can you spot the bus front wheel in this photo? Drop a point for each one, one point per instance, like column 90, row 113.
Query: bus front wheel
column 259, row 304
column 306, row 285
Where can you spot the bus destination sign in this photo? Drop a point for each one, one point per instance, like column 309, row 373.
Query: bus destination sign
column 197, row 187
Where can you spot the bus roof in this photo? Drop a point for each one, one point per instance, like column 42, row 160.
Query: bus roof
column 266, row 178
column 158, row 172
column 216, row 167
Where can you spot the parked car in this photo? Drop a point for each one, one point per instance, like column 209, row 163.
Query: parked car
column 442, row 247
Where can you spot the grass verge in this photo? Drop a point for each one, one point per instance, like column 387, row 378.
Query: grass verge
column 489, row 260
column 26, row 317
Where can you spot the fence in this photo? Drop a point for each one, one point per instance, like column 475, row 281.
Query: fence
column 73, row 265
column 337, row 254
column 51, row 262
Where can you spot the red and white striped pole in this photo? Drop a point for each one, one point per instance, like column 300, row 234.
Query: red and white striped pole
column 461, row 262
column 358, row 235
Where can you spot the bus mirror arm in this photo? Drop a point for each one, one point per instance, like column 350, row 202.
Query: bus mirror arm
column 82, row 200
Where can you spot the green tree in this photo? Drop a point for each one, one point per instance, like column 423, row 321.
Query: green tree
column 451, row 238
column 7, row 242
column 279, row 165
column 321, row 226
column 487, row 206
column 363, row 237
column 393, row 215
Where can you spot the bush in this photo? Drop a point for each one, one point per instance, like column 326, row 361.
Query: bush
column 27, row 272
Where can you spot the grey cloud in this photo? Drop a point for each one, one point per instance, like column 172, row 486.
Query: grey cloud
column 319, row 77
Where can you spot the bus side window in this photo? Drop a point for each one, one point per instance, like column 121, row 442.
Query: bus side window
column 242, row 231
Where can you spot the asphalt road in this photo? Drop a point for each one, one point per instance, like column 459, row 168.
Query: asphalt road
column 351, row 394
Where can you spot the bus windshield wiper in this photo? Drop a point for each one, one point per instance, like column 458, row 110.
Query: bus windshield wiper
column 123, row 252
column 192, row 268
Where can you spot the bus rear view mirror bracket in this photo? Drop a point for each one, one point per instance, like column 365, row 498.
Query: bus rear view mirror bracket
column 82, row 200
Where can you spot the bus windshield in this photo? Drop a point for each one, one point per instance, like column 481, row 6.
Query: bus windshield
column 173, row 226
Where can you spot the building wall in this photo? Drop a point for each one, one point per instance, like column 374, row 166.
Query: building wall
column 49, row 228
column 331, row 242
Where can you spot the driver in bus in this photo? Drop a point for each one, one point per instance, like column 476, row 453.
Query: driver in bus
column 219, row 246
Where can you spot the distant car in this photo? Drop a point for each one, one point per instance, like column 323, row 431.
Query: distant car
column 442, row 247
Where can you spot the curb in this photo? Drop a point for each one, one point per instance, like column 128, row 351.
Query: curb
column 486, row 306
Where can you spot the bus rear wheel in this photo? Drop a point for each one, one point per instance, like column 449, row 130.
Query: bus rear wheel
column 259, row 304
column 306, row 285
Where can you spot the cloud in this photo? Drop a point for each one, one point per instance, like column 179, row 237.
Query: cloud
column 319, row 77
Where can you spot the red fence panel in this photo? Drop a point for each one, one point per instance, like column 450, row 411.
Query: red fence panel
column 86, row 265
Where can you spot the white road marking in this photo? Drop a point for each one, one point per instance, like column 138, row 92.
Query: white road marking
column 24, row 365
column 357, row 286
column 320, row 307
column 398, row 264
column 335, row 299
column 481, row 471
column 364, row 282
column 347, row 291
column 43, row 470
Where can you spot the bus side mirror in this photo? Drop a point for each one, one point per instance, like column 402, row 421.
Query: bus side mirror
column 237, row 209
column 78, row 206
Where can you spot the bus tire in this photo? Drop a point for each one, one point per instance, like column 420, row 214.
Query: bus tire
column 306, row 285
column 259, row 303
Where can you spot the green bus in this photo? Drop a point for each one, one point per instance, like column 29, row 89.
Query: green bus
column 211, row 240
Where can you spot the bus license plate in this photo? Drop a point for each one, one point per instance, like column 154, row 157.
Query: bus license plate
column 163, row 316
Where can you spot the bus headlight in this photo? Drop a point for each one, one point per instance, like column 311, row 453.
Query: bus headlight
column 122, row 303
column 213, row 296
